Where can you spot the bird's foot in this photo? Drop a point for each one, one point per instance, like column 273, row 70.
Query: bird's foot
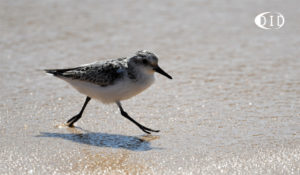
column 72, row 120
column 148, row 130
column 71, row 125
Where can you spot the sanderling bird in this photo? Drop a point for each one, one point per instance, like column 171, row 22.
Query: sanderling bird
column 112, row 81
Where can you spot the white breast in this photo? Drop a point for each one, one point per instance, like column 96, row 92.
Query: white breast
column 121, row 90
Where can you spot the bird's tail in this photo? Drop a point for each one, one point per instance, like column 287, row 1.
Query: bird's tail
column 57, row 72
column 51, row 71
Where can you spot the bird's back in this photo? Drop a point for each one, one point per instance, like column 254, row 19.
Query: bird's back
column 99, row 73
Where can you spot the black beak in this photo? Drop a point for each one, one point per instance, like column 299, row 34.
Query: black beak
column 159, row 70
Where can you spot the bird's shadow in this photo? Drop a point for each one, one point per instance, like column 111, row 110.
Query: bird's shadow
column 133, row 143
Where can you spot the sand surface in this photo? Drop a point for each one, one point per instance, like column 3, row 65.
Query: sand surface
column 233, row 106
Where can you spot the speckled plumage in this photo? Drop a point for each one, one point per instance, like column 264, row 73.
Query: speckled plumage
column 113, row 81
column 100, row 73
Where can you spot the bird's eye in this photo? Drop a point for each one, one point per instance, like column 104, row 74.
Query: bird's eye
column 145, row 61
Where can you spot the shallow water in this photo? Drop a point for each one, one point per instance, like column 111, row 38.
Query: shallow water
column 232, row 107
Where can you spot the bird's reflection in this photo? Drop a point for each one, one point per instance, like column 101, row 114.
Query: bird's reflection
column 133, row 143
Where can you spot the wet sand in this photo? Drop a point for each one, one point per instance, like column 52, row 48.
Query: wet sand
column 233, row 106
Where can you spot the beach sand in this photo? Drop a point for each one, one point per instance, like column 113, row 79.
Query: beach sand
column 233, row 106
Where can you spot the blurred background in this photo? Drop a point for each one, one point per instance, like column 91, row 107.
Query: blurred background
column 232, row 107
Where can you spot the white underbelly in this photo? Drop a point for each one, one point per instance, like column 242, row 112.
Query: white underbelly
column 121, row 90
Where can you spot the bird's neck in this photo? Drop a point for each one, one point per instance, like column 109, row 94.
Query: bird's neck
column 140, row 74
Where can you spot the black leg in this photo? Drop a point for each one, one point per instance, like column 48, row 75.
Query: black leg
column 143, row 128
column 74, row 119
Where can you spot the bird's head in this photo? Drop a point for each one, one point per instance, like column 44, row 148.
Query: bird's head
column 148, row 62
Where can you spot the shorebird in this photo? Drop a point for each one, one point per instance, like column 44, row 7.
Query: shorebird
column 112, row 81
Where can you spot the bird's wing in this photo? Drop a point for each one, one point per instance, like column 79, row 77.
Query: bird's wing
column 99, row 73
